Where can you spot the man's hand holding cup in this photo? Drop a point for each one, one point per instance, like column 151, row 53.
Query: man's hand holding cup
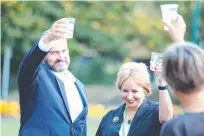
column 63, row 28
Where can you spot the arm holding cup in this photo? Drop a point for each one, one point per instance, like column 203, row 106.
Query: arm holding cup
column 177, row 28
column 165, row 104
column 173, row 22
column 177, row 31
column 60, row 29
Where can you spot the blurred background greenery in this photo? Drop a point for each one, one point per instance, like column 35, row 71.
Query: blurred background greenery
column 107, row 33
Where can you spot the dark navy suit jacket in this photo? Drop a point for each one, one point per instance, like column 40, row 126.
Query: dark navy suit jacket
column 145, row 123
column 43, row 102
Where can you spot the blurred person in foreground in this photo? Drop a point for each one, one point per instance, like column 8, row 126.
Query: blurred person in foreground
column 139, row 116
column 183, row 69
column 52, row 100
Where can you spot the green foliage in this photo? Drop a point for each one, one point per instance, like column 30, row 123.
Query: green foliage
column 97, row 70
column 103, row 26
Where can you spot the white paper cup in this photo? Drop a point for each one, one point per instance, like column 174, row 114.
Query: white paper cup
column 156, row 61
column 169, row 13
column 71, row 22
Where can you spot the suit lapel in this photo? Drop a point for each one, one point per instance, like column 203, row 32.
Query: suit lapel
column 83, row 97
column 117, row 120
column 63, row 93
column 81, row 90
column 139, row 116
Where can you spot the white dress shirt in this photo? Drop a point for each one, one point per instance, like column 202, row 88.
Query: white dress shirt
column 73, row 97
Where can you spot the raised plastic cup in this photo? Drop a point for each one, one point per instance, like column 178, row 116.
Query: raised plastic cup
column 156, row 61
column 71, row 22
column 169, row 13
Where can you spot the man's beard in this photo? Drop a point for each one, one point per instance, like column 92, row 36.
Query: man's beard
column 54, row 67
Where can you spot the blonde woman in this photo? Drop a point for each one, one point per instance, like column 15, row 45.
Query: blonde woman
column 138, row 116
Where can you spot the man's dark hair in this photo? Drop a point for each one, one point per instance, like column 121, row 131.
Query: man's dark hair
column 183, row 66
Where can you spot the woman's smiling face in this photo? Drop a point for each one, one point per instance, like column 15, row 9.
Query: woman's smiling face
column 132, row 94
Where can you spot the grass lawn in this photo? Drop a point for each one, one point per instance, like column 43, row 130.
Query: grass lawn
column 10, row 126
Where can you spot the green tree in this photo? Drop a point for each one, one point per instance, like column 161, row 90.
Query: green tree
column 104, row 26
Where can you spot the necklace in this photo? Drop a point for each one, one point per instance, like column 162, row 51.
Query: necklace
column 129, row 122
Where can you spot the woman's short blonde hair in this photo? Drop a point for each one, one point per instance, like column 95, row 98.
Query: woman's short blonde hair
column 136, row 72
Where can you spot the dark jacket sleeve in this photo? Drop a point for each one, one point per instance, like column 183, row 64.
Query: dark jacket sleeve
column 157, row 125
column 167, row 130
column 29, row 67
column 100, row 130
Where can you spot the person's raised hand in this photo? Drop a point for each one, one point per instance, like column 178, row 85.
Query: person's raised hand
column 58, row 30
column 177, row 28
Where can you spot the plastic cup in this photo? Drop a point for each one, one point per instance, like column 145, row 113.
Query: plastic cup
column 169, row 13
column 156, row 61
column 71, row 22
